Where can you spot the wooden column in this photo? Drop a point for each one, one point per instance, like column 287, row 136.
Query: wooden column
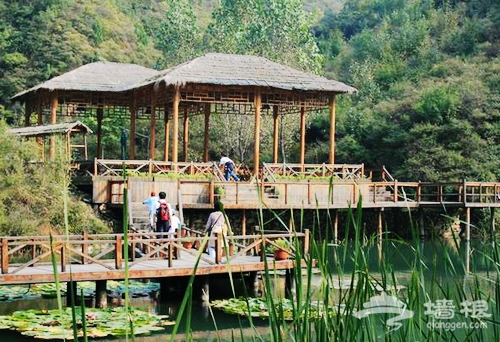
column 133, row 126
column 331, row 152
column 54, row 102
column 492, row 223
column 256, row 153
column 206, row 135
column 175, row 129
column 253, row 284
column 101, row 296
column 28, row 109
column 290, row 283
column 336, row 226
column 302, row 156
column 275, row 134
column 467, row 224
column 166, row 123
column 152, row 126
column 185, row 142
column 100, row 113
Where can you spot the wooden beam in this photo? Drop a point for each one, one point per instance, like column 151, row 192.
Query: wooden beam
column 133, row 125
column 175, row 129
column 331, row 152
column 256, row 155
column 206, row 135
column 185, row 142
column 275, row 133
column 54, row 102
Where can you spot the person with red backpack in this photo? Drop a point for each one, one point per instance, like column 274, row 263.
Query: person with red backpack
column 163, row 214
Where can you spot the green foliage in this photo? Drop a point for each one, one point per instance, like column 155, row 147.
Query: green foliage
column 31, row 194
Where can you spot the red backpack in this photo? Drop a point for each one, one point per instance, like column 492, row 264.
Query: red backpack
column 163, row 212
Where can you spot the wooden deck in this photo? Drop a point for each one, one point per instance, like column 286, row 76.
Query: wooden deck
column 27, row 260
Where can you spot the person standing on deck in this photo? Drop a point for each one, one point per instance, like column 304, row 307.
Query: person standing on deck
column 216, row 224
column 152, row 204
column 229, row 167
column 163, row 215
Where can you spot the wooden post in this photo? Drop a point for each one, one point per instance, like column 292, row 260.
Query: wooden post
column 54, row 102
column 275, row 133
column 101, row 295
column 71, row 293
column 244, row 223
column 5, row 256
column 380, row 226
column 331, row 151
column 336, row 226
column 152, row 126
column 133, row 126
column 175, row 129
column 467, row 224
column 289, row 283
column 256, row 135
column 218, row 248
column 492, row 225
column 302, row 156
column 186, row 135
column 118, row 252
column 307, row 241
column 167, row 137
column 253, row 284
column 100, row 114
column 206, row 135
column 205, row 289
column 421, row 222
column 63, row 257
column 85, row 246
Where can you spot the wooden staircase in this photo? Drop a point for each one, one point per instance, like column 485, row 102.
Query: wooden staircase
column 138, row 216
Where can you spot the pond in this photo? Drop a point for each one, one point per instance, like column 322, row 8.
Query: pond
column 450, row 287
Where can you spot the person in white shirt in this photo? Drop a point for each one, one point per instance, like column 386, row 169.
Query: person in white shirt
column 229, row 167
column 175, row 223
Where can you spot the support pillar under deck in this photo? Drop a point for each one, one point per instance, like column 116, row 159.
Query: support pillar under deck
column 101, row 294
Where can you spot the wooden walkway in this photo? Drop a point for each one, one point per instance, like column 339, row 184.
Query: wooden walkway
column 27, row 260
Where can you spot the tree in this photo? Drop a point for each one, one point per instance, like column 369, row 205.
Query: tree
column 178, row 37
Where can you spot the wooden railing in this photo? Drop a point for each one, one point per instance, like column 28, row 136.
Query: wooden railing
column 106, row 250
column 273, row 172
column 311, row 193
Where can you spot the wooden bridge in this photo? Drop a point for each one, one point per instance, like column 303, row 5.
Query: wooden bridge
column 28, row 259
column 192, row 185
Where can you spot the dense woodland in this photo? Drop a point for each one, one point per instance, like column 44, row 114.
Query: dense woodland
column 427, row 71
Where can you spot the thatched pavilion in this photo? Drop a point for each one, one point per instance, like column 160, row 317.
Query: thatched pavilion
column 235, row 84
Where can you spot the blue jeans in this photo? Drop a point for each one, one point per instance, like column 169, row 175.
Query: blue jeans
column 230, row 173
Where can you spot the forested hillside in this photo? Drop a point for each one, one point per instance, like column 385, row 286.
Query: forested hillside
column 427, row 71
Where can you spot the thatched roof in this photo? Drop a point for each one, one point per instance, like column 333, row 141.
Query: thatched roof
column 60, row 128
column 210, row 69
column 244, row 70
column 98, row 76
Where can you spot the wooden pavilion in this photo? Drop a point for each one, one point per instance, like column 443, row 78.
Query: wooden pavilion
column 66, row 130
column 235, row 84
